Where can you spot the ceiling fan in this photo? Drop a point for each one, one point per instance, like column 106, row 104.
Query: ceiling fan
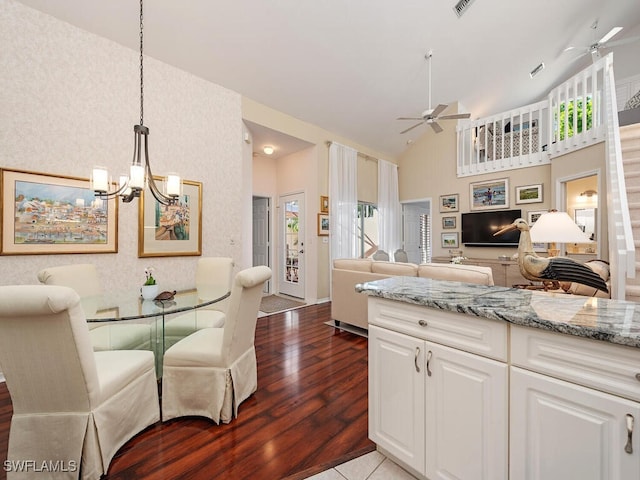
column 604, row 42
column 431, row 115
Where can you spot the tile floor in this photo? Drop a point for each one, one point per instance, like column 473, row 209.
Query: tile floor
column 372, row 466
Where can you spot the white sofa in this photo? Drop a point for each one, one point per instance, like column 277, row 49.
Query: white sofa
column 350, row 307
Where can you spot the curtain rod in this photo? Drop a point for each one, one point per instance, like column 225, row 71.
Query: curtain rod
column 364, row 155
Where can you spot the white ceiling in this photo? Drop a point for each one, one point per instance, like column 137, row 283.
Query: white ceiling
column 353, row 66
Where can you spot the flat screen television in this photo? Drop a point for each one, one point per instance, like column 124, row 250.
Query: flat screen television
column 478, row 228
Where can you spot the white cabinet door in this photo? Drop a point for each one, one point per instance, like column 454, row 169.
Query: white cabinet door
column 396, row 395
column 466, row 415
column 562, row 431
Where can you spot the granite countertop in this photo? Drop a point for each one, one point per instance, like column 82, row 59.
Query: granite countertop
column 613, row 321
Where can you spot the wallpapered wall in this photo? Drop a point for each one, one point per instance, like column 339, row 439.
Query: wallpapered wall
column 69, row 100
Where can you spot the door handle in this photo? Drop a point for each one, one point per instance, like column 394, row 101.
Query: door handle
column 301, row 251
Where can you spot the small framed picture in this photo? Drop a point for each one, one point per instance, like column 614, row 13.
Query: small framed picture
column 529, row 194
column 448, row 223
column 323, row 224
column 533, row 216
column 449, row 203
column 324, row 204
column 489, row 195
column 450, row 240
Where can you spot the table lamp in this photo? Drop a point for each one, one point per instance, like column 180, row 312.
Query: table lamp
column 557, row 227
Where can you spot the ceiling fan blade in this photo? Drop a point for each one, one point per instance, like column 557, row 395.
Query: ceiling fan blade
column 609, row 35
column 622, row 41
column 440, row 108
column 411, row 128
column 436, row 128
column 409, row 118
column 454, row 116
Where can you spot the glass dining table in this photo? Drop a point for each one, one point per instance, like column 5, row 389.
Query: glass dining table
column 124, row 321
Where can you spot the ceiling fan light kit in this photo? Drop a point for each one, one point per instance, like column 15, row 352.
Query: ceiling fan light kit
column 431, row 115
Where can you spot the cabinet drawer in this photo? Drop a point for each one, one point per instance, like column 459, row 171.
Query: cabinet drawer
column 601, row 365
column 472, row 334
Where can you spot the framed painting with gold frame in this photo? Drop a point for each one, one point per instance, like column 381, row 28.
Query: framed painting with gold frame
column 324, row 204
column 44, row 214
column 174, row 230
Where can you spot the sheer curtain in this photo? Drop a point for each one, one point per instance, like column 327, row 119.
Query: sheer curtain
column 343, row 201
column 389, row 213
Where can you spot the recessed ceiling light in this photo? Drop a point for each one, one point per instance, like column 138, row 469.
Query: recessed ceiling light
column 268, row 150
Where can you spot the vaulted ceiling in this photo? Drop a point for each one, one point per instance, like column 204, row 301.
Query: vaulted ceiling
column 353, row 66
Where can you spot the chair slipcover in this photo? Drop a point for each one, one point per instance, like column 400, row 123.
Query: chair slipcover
column 213, row 278
column 70, row 404
column 210, row 372
column 84, row 279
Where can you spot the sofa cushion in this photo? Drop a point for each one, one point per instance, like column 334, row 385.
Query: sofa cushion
column 395, row 269
column 457, row 272
column 355, row 264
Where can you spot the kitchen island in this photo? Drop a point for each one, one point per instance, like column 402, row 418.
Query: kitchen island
column 476, row 382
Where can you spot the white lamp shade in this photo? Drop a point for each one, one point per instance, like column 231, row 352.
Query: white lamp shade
column 557, row 227
column 136, row 178
column 100, row 179
column 173, row 184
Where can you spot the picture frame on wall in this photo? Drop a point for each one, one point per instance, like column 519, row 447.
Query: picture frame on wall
column 448, row 223
column 529, row 194
column 449, row 203
column 489, row 195
column 324, row 204
column 171, row 230
column 532, row 218
column 450, row 240
column 44, row 214
column 323, row 224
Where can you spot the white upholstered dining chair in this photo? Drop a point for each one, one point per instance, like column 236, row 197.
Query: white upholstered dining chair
column 213, row 278
column 70, row 404
column 84, row 279
column 210, row 372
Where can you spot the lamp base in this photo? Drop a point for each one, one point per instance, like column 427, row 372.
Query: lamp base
column 553, row 252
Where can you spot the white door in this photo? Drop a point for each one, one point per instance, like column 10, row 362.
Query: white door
column 291, row 256
column 562, row 431
column 466, row 415
column 396, row 395
column 261, row 234
column 416, row 241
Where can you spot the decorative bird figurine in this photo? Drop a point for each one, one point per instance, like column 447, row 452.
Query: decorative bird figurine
column 166, row 295
column 540, row 269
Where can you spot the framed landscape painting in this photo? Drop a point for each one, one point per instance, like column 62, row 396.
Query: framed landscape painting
column 489, row 195
column 45, row 214
column 323, row 224
column 450, row 240
column 171, row 230
column 448, row 223
column 529, row 194
column 449, row 203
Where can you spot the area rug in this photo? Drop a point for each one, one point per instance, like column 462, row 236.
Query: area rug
column 276, row 303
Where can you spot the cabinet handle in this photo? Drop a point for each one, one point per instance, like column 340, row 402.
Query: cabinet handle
column 423, row 323
column 628, row 447
column 429, row 354
column 415, row 359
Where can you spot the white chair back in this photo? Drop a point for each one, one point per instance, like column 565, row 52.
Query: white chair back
column 213, row 278
column 82, row 277
column 244, row 303
column 45, row 350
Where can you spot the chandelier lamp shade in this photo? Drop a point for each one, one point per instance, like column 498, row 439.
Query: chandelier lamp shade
column 140, row 174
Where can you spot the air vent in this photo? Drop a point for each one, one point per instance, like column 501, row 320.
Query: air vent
column 462, row 7
column 536, row 70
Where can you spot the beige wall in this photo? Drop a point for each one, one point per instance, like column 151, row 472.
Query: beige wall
column 70, row 100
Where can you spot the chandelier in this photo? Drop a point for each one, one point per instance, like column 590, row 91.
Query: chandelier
column 139, row 173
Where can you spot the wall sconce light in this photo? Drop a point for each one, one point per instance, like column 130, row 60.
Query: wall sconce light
column 588, row 196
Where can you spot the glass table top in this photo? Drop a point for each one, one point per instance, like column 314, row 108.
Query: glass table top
column 129, row 305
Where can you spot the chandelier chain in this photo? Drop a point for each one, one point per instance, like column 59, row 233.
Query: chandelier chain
column 141, row 71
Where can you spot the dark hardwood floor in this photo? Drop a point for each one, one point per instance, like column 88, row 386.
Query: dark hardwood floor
column 309, row 413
